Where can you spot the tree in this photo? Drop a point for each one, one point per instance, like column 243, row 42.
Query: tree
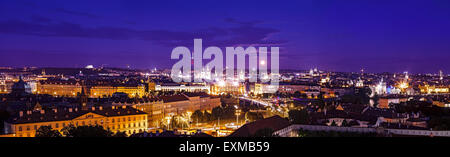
column 86, row 131
column 344, row 123
column 216, row 112
column 197, row 116
column 299, row 116
column 120, row 134
column 333, row 123
column 252, row 116
column 47, row 131
column 207, row 117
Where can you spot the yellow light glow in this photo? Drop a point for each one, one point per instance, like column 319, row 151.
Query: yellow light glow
column 221, row 83
column 262, row 62
column 404, row 85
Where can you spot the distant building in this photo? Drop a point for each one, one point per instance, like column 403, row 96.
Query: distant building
column 123, row 119
column 21, row 88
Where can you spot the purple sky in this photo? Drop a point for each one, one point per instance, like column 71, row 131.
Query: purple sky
column 377, row 35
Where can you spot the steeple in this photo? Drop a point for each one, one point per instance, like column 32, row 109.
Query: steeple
column 83, row 97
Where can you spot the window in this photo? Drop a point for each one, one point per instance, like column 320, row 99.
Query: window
column 20, row 128
column 28, row 128
column 35, row 127
column 56, row 125
column 112, row 120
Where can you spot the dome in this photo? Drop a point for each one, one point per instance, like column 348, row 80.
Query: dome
column 21, row 87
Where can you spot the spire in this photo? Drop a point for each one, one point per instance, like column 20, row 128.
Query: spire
column 83, row 97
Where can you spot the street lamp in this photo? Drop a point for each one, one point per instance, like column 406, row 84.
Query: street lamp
column 238, row 113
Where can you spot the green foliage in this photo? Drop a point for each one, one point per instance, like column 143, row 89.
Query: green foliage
column 333, row 123
column 120, row 134
column 86, row 131
column 197, row 116
column 178, row 122
column 253, row 116
column 344, row 123
column 47, row 131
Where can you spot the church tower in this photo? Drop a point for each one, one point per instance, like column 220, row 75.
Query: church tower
column 83, row 97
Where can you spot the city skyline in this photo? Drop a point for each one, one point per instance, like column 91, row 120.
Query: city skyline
column 380, row 36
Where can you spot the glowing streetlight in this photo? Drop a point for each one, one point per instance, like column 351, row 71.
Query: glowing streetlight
column 221, row 83
column 238, row 113
column 262, row 62
column 404, row 85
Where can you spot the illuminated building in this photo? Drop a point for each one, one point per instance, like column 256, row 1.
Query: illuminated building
column 20, row 88
column 106, row 91
column 385, row 101
column 360, row 83
column 380, row 88
column 325, row 80
column 59, row 88
column 182, row 87
column 221, row 87
column 123, row 119
column 427, row 89
column 3, row 86
column 152, row 107
column 171, row 105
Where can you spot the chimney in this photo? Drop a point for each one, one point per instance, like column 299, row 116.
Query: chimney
column 42, row 111
column 70, row 109
column 21, row 114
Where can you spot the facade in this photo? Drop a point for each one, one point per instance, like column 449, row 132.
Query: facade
column 59, row 88
column 153, row 108
column 179, row 88
column 72, row 87
column 434, row 89
column 158, row 109
column 385, row 101
column 21, row 88
column 105, row 91
column 229, row 88
column 123, row 119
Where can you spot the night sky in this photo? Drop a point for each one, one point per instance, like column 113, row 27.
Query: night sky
column 377, row 35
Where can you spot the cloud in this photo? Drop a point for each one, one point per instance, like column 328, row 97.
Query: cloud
column 40, row 19
column 243, row 34
column 76, row 13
